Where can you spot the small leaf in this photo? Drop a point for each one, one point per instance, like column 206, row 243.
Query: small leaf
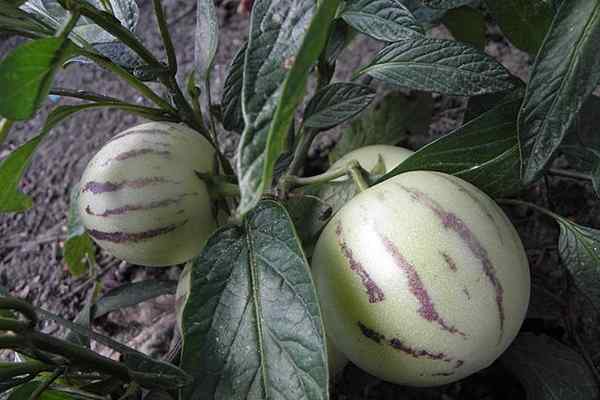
column 78, row 246
column 206, row 38
column 337, row 103
column 233, row 119
column 385, row 20
column 549, row 370
column 278, row 42
column 27, row 74
column 388, row 121
column 446, row 4
column 525, row 23
column 131, row 294
column 251, row 325
column 483, row 152
column 579, row 249
column 467, row 25
column 564, row 75
column 438, row 65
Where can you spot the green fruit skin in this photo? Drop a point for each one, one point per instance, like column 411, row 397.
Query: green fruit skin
column 422, row 279
column 368, row 157
column 141, row 199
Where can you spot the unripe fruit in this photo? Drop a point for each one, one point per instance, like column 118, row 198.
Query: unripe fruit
column 422, row 279
column 368, row 157
column 141, row 198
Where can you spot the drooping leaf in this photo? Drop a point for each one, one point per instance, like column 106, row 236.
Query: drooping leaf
column 281, row 52
column 336, row 103
column 564, row 75
column 233, row 119
column 549, row 370
column 131, row 294
column 439, row 65
column 14, row 166
column 484, row 152
column 388, row 121
column 27, row 73
column 78, row 246
column 14, row 20
column 446, row 4
column 579, row 249
column 467, row 25
column 206, row 38
column 524, row 22
column 251, row 324
column 385, row 20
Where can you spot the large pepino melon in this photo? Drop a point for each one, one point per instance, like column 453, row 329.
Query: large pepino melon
column 141, row 198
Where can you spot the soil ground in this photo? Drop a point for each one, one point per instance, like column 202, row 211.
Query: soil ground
column 31, row 265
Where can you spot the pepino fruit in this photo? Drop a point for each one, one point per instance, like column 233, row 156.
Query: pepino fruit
column 422, row 279
column 141, row 198
column 369, row 156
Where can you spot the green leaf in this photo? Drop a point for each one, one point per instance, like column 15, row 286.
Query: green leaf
column 388, row 121
column 446, row 4
column 206, row 38
column 309, row 214
column 549, row 370
column 14, row 166
column 131, row 294
column 438, row 65
column 579, row 249
column 483, row 152
column 564, row 75
column 27, row 74
column 337, row 103
column 271, row 93
column 252, row 326
column 467, row 25
column 340, row 37
column 25, row 391
column 524, row 22
column 78, row 246
column 233, row 119
column 385, row 20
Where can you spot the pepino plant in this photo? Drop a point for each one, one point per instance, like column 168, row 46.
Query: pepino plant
column 397, row 260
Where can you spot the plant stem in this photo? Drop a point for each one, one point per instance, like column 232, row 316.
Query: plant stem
column 141, row 87
column 569, row 174
column 542, row 210
column 42, row 388
column 9, row 324
column 297, row 181
column 5, row 125
column 68, row 26
column 166, row 36
column 23, row 368
column 301, row 152
column 13, row 303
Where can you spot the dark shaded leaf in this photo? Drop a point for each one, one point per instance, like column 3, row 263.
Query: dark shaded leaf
column 276, row 55
column 131, row 294
column 579, row 249
column 309, row 214
column 484, row 152
column 426, row 16
column 27, row 73
column 467, row 25
column 385, row 20
column 549, row 370
column 24, row 393
column 337, row 103
column 206, row 38
column 233, row 119
column 252, row 326
column 564, row 75
column 78, row 246
column 446, row 4
column 340, row 36
column 388, row 121
column 438, row 65
column 524, row 22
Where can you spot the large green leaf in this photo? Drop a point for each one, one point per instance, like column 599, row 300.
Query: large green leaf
column 524, row 22
column 549, row 370
column 388, row 121
column 280, row 55
column 447, row 4
column 564, row 75
column 484, row 151
column 579, row 249
column 233, row 119
column 439, row 65
column 385, row 20
column 336, row 103
column 78, row 246
column 251, row 324
column 206, row 38
column 27, row 73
